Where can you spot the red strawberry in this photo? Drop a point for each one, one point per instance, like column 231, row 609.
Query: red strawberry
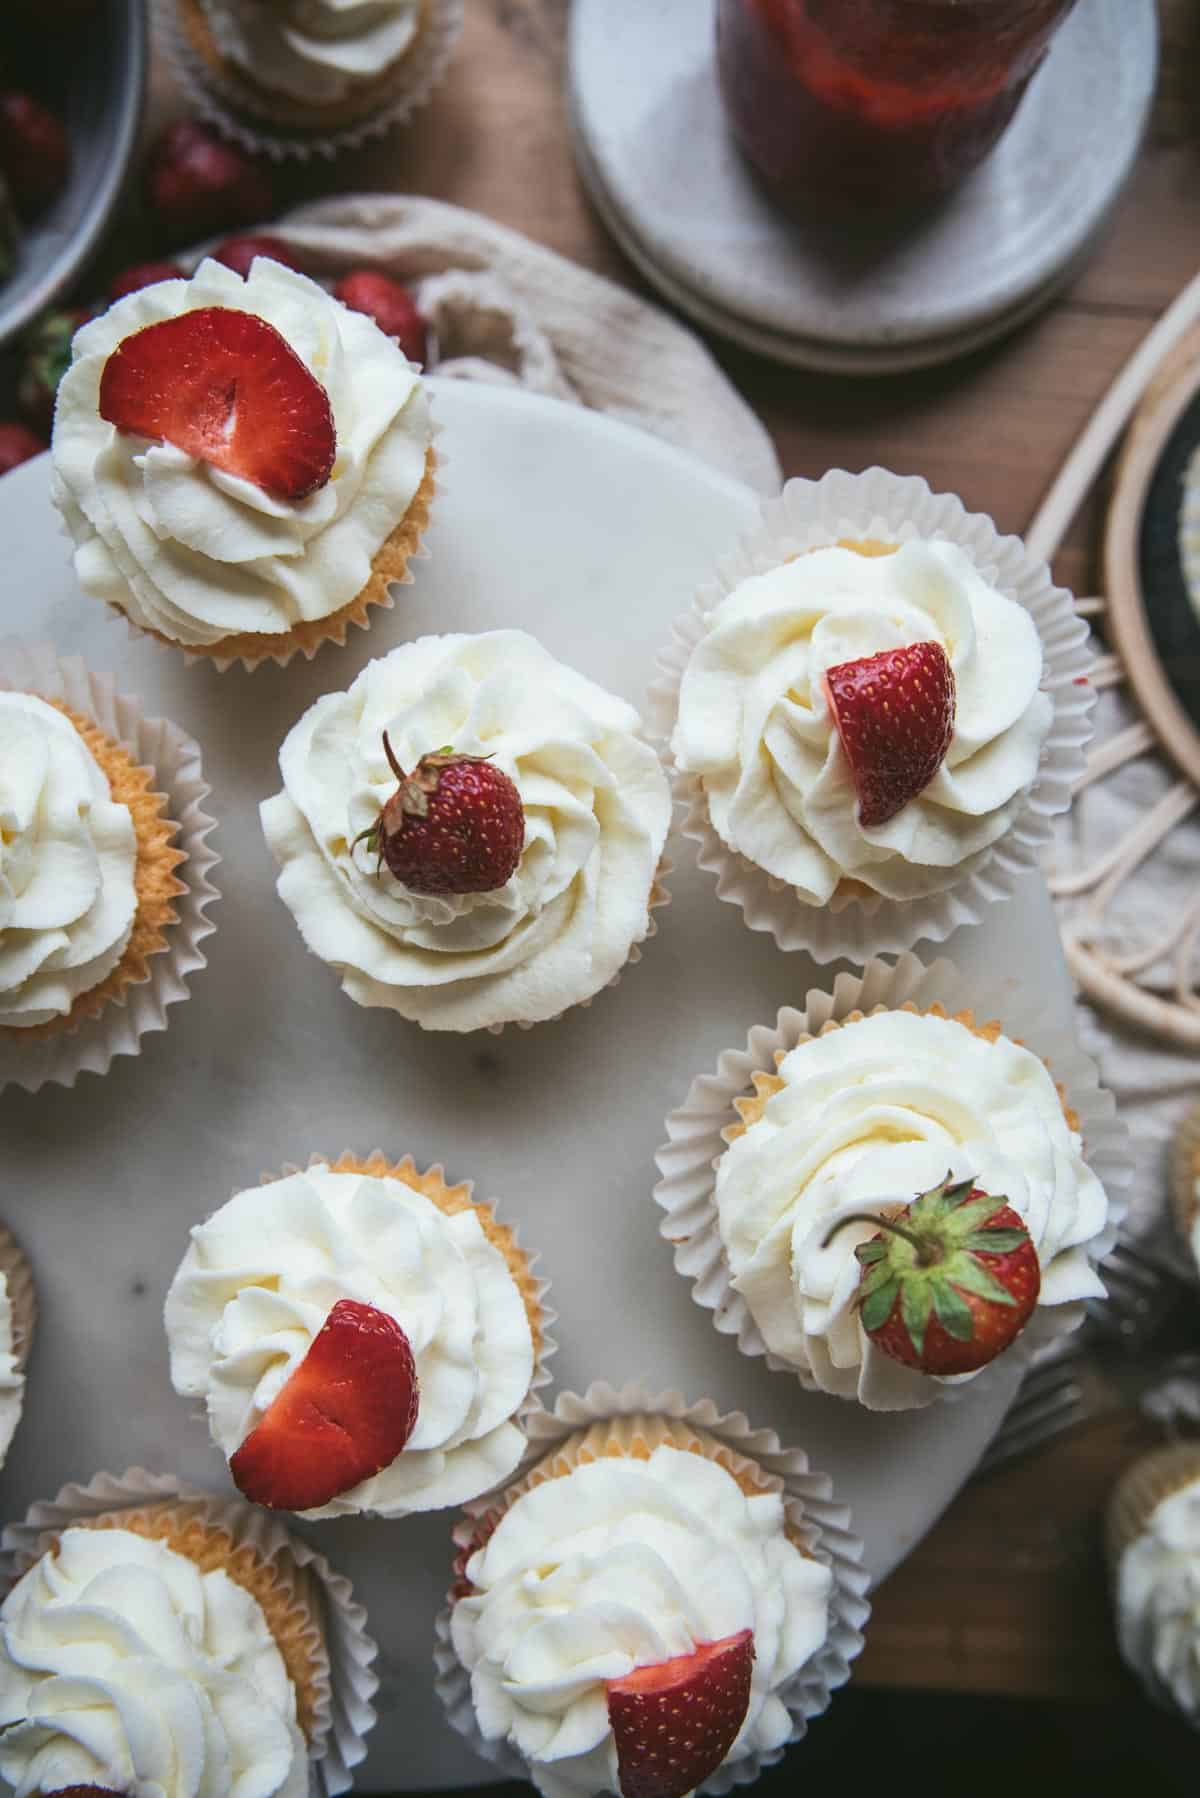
column 197, row 184
column 344, row 1413
column 454, row 825
column 391, row 306
column 34, row 153
column 238, row 253
column 950, row 1281
column 674, row 1723
column 224, row 386
column 895, row 715
column 17, row 444
column 45, row 360
column 142, row 274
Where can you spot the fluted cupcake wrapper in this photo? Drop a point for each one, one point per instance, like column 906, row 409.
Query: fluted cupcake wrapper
column 688, row 1159
column 22, row 1294
column 241, row 111
column 1185, row 1183
column 343, row 1710
column 1134, row 1499
column 92, row 1045
column 811, row 1508
column 893, row 509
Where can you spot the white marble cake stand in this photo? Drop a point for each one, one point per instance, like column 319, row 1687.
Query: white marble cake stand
column 592, row 535
column 661, row 165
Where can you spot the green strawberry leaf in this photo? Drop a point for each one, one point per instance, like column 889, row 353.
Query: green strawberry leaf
column 878, row 1276
column 996, row 1242
column 972, row 1276
column 876, row 1307
column 869, row 1252
column 916, row 1303
column 972, row 1217
column 953, row 1312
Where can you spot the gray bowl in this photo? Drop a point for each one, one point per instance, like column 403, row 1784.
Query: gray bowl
column 101, row 95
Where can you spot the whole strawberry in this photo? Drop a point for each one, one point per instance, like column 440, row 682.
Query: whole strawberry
column 197, row 184
column 142, row 274
column 392, row 307
column 950, row 1281
column 238, row 253
column 34, row 153
column 45, row 360
column 454, row 825
column 895, row 715
column 17, row 445
column 674, row 1722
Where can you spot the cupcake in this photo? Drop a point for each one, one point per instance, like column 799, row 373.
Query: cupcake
column 18, row 1313
column 872, row 716
column 1154, row 1565
column 296, row 77
column 471, row 834
column 248, row 535
column 646, row 1575
column 1185, row 1180
column 87, row 869
column 866, row 1150
column 374, row 1296
column 147, row 1651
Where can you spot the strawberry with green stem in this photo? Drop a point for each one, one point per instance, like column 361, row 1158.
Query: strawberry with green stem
column 454, row 825
column 949, row 1282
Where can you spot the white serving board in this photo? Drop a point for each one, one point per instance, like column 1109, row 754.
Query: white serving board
column 592, row 535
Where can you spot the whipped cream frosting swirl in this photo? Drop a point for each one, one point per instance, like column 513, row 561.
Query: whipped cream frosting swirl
column 617, row 1565
column 68, row 854
column 597, row 808
column 12, row 1380
column 755, row 725
column 198, row 554
column 1158, row 1600
column 870, row 1115
column 262, row 1275
column 319, row 51
column 123, row 1666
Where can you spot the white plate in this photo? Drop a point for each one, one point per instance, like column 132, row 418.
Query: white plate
column 592, row 535
column 661, row 165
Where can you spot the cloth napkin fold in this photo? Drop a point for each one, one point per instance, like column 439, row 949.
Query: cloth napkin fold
column 506, row 309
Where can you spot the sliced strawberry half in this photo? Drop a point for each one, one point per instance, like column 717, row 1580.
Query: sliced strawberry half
column 895, row 715
column 344, row 1413
column 675, row 1722
column 225, row 387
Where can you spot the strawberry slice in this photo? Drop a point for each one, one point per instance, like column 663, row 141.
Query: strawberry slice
column 675, row 1722
column 895, row 715
column 225, row 387
column 344, row 1413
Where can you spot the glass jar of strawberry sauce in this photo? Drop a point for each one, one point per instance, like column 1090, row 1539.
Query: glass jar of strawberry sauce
column 878, row 102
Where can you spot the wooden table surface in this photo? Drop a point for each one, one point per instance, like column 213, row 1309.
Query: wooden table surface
column 1006, row 1595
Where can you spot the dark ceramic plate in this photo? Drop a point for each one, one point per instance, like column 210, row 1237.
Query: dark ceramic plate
column 98, row 82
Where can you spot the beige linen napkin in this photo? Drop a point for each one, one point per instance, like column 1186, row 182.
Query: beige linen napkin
column 506, row 309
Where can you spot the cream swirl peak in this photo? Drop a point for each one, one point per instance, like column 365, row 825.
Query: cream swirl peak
column 755, row 725
column 319, row 51
column 123, row 1666
column 622, row 1564
column 262, row 1275
column 199, row 554
column 867, row 1116
column 1158, row 1599
column 596, row 805
column 68, row 853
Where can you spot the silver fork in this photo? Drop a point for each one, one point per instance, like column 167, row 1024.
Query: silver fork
column 1142, row 1296
column 1051, row 1398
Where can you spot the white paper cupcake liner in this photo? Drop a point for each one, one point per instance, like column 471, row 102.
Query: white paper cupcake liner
column 345, row 1714
column 228, row 105
column 687, row 1160
column 1185, row 1185
column 810, row 1505
column 894, row 509
column 155, row 743
column 289, row 650
column 532, row 1404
